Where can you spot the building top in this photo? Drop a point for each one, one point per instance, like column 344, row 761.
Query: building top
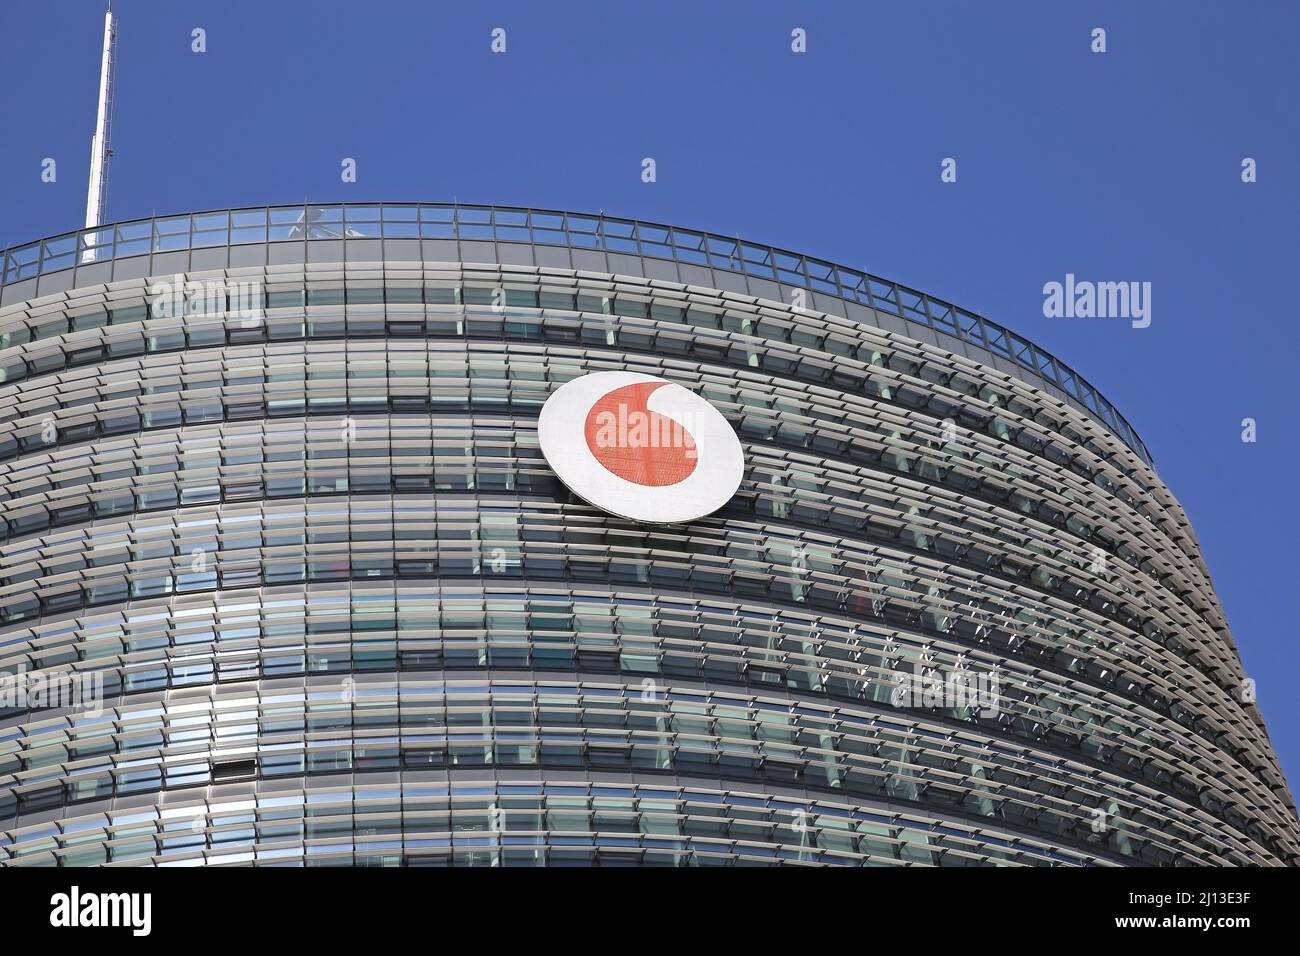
column 82, row 258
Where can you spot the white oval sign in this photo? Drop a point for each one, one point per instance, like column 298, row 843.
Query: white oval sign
column 640, row 447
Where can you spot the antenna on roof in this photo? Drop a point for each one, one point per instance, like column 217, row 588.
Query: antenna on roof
column 100, row 146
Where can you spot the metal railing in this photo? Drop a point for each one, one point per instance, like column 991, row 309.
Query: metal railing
column 461, row 221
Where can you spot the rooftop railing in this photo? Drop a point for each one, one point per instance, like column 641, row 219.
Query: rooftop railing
column 554, row 228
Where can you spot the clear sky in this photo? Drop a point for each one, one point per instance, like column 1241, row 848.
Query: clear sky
column 1117, row 166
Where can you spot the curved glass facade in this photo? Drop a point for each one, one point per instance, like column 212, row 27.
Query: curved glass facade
column 271, row 487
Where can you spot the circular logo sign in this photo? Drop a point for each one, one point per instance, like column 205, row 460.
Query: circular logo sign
column 640, row 447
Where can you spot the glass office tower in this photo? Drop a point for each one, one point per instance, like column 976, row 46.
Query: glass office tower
column 270, row 487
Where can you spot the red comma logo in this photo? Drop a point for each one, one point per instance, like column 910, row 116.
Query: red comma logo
column 676, row 462
column 636, row 443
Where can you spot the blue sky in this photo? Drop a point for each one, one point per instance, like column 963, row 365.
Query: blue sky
column 1121, row 166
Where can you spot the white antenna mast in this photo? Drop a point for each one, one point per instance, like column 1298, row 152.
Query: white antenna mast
column 100, row 147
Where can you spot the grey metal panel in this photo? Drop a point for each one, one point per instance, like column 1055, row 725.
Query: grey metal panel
column 472, row 250
column 949, row 343
column 515, row 253
column 922, row 334
column 1033, row 380
column 1078, row 406
column 556, row 256
column 623, row 264
column 402, row 250
column 589, row 260
column 52, row 282
column 94, row 273
column 890, row 323
column 167, row 263
column 860, row 314
column 285, row 253
column 440, row 250
column 822, row 302
column 363, row 250
column 695, row 275
column 135, row 267
column 661, row 269
column 245, row 256
column 731, row 281
column 205, row 260
column 765, row 289
column 22, row 291
column 325, row 250
column 1007, row 366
